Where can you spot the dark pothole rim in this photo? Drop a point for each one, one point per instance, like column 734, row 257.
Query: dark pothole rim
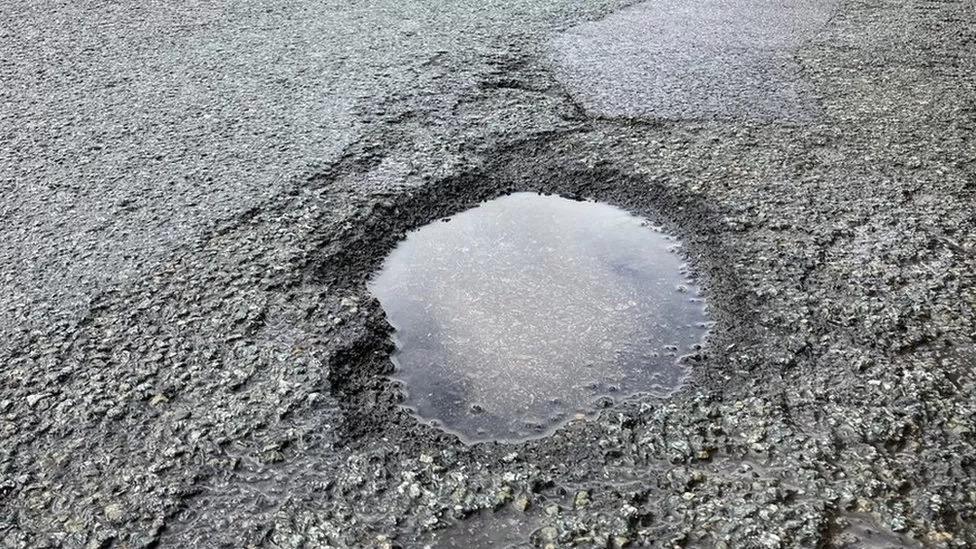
column 359, row 370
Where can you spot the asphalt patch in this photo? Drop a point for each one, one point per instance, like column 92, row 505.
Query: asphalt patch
column 679, row 59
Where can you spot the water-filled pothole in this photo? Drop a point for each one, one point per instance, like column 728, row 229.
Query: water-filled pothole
column 527, row 311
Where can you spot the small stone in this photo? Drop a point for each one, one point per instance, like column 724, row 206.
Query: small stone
column 619, row 542
column 159, row 399
column 581, row 500
column 898, row 524
column 521, row 503
column 113, row 512
column 32, row 400
column 549, row 533
column 426, row 458
column 940, row 537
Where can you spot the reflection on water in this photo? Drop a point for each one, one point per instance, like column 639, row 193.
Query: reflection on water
column 525, row 312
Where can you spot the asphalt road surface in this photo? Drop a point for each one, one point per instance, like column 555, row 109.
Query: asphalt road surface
column 193, row 195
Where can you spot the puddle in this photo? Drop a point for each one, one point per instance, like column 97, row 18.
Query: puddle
column 528, row 311
column 693, row 58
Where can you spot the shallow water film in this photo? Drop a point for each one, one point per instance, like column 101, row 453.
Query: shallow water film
column 528, row 311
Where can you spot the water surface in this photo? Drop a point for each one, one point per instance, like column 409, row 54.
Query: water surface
column 528, row 311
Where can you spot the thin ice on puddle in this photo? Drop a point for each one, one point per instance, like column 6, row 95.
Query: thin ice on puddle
column 519, row 315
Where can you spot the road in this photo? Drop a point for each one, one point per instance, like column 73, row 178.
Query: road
column 194, row 195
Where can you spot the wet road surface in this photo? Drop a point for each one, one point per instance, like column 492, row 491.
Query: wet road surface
column 194, row 196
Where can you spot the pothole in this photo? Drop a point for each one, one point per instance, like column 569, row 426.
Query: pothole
column 519, row 315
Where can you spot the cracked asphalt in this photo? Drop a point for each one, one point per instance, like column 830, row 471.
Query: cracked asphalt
column 193, row 197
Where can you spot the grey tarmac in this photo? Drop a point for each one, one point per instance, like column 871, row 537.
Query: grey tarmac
column 193, row 194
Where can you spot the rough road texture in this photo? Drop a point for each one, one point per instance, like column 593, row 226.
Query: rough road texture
column 194, row 195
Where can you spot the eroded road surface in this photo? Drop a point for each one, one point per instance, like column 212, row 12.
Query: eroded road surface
column 194, row 195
